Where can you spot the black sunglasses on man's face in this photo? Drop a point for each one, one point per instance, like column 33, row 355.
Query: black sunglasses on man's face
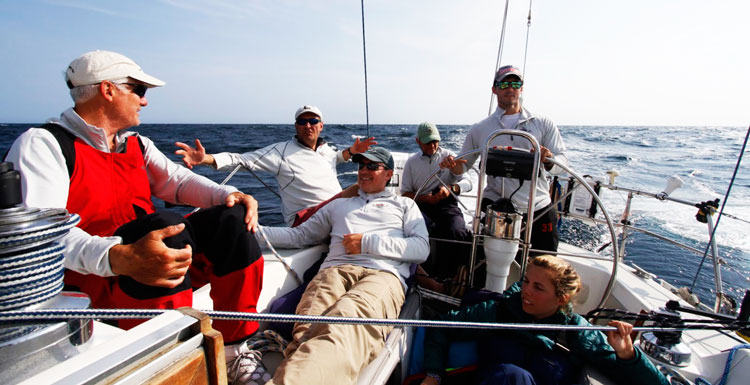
column 138, row 89
column 303, row 121
column 371, row 166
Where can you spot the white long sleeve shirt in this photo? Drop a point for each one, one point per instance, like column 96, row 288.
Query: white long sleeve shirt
column 393, row 232
column 545, row 132
column 306, row 177
column 419, row 167
column 45, row 183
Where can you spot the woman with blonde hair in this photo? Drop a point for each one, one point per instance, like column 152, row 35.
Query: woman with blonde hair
column 531, row 356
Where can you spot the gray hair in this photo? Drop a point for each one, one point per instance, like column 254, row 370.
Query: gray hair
column 82, row 94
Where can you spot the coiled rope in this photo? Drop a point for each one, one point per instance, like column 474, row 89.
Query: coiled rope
column 727, row 367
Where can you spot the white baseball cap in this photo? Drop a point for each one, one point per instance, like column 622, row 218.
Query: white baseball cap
column 306, row 108
column 97, row 66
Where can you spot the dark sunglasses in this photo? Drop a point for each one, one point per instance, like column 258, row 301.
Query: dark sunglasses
column 138, row 89
column 312, row 121
column 504, row 85
column 371, row 166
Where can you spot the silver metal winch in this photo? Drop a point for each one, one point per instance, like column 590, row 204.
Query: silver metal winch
column 31, row 277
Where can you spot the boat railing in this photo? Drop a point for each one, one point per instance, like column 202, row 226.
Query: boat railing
column 625, row 226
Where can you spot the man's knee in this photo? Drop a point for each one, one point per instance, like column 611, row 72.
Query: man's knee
column 137, row 228
column 221, row 235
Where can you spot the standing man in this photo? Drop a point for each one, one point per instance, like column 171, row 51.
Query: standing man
column 511, row 115
column 374, row 238
column 304, row 166
column 123, row 253
column 437, row 200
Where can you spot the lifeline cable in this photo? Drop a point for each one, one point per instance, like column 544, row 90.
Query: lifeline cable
column 718, row 219
column 16, row 317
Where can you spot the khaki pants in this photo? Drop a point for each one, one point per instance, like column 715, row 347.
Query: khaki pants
column 335, row 354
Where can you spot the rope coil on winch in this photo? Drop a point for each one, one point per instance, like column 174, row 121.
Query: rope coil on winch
column 31, row 261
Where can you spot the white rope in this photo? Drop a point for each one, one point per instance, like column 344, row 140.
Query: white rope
column 33, row 300
column 36, row 256
column 35, row 236
column 278, row 257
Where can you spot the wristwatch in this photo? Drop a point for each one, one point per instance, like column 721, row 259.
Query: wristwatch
column 456, row 189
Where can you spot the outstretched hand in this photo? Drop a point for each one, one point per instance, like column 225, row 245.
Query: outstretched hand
column 360, row 147
column 150, row 261
column 192, row 156
column 455, row 165
column 251, row 208
column 620, row 340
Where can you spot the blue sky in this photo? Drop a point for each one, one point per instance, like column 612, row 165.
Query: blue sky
column 638, row 62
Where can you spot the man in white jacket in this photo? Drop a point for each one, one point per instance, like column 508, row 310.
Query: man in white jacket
column 511, row 115
column 375, row 238
column 304, row 166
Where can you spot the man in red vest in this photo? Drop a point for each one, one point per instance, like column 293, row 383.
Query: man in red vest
column 124, row 254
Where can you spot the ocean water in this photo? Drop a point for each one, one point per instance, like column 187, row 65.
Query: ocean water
column 703, row 157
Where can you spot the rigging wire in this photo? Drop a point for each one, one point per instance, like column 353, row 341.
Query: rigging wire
column 526, row 48
column 364, row 54
column 723, row 204
column 499, row 52
column 502, row 44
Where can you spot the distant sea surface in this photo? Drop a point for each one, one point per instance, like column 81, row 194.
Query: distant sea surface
column 703, row 157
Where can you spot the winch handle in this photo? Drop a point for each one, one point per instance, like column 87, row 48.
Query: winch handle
column 674, row 305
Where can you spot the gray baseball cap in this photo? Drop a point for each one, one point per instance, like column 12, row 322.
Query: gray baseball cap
column 376, row 154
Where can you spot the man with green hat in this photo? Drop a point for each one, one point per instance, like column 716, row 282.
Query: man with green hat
column 437, row 199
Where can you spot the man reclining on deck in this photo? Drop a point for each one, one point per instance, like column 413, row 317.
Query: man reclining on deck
column 123, row 253
column 375, row 237
column 304, row 166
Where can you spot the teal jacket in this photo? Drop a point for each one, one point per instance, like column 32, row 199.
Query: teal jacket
column 586, row 346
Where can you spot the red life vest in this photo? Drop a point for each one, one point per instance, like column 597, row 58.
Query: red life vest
column 108, row 189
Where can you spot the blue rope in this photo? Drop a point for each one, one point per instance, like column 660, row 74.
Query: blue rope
column 727, row 367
